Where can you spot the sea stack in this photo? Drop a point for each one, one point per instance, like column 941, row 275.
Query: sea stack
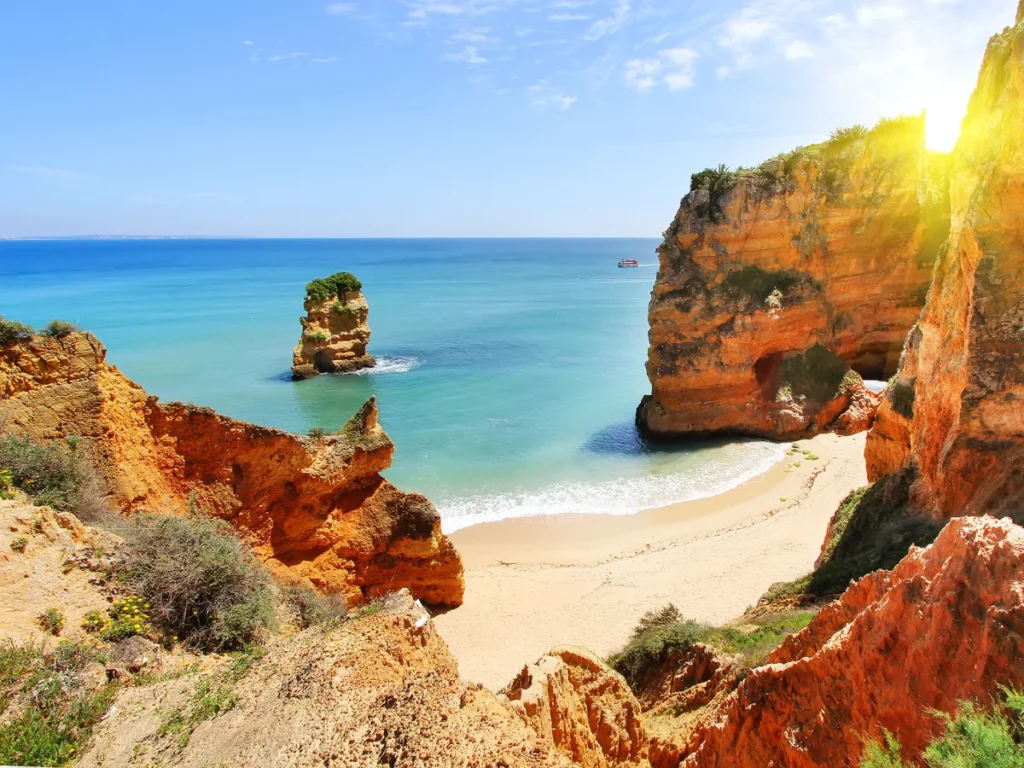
column 334, row 330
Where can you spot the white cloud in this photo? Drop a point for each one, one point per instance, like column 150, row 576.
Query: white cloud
column 421, row 10
column 248, row 42
column 324, row 60
column 568, row 17
column 798, row 49
column 337, row 9
column 545, row 96
column 872, row 12
column 468, row 55
column 288, row 56
column 675, row 67
column 611, row 24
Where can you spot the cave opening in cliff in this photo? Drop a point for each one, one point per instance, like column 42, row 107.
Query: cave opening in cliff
column 874, row 361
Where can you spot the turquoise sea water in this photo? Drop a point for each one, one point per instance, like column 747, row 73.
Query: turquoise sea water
column 510, row 369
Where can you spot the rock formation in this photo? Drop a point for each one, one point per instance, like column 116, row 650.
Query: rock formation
column 946, row 625
column 334, row 330
column 774, row 283
column 954, row 409
column 315, row 509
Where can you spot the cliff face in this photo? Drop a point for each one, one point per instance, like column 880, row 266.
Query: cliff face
column 965, row 378
column 774, row 282
column 314, row 508
column 334, row 336
column 946, row 624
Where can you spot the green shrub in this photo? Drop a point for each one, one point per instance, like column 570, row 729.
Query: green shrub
column 313, row 609
column 660, row 633
column 971, row 738
column 902, row 396
column 337, row 284
column 19, row 544
column 842, row 138
column 873, row 529
column 52, row 620
column 318, row 336
column 341, row 309
column 317, row 433
column 717, row 183
column 6, row 484
column 52, row 474
column 208, row 700
column 58, row 329
column 58, row 708
column 13, row 332
column 127, row 618
column 202, row 583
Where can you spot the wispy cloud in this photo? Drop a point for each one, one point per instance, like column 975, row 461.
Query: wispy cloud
column 611, row 24
column 248, row 42
column 323, row 60
column 288, row 56
column 468, row 55
column 421, row 10
column 49, row 172
column 675, row 67
column 870, row 13
column 338, row 9
column 546, row 96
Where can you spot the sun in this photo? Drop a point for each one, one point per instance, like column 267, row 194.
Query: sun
column 942, row 127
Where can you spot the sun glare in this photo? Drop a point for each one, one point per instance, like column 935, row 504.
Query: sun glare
column 942, row 127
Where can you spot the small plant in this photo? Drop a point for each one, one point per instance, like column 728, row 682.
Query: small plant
column 774, row 304
column 317, row 433
column 94, row 622
column 313, row 609
column 317, row 336
column 58, row 329
column 716, row 183
column 19, row 544
column 902, row 395
column 6, row 484
column 337, row 284
column 341, row 309
column 13, row 332
column 52, row 620
column 206, row 703
column 52, row 474
column 128, row 617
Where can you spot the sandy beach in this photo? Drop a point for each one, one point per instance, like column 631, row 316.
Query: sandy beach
column 583, row 580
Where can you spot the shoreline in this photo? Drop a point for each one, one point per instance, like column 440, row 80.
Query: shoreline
column 534, row 583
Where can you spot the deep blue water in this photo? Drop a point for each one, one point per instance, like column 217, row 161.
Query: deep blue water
column 510, row 372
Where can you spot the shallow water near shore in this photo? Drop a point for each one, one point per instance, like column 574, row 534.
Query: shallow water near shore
column 509, row 369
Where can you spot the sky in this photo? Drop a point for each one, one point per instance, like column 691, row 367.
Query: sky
column 442, row 118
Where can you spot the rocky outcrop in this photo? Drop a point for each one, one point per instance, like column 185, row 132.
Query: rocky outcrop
column 335, row 333
column 947, row 624
column 314, row 509
column 580, row 707
column 964, row 377
column 775, row 283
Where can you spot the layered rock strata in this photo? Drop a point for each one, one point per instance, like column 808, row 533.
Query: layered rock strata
column 315, row 509
column 955, row 408
column 335, row 332
column 778, row 286
column 947, row 624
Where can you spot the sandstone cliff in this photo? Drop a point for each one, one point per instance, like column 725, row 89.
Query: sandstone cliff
column 962, row 380
column 947, row 624
column 312, row 508
column 775, row 282
column 334, row 331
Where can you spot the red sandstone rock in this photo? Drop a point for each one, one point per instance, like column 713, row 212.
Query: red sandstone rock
column 315, row 509
column 946, row 624
column 831, row 246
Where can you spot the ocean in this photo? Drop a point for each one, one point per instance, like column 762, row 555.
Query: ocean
column 509, row 370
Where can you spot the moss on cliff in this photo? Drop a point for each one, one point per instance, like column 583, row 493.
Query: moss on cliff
column 753, row 282
column 337, row 284
column 873, row 529
column 816, row 374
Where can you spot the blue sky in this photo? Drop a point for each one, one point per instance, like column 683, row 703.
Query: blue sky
column 383, row 118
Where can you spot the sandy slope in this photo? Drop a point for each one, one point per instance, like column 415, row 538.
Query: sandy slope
column 535, row 583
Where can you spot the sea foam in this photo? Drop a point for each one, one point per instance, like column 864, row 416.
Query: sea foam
column 732, row 465
column 390, row 365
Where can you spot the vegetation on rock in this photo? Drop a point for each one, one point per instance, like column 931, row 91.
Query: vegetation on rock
column 13, row 332
column 53, row 474
column 816, row 374
column 337, row 284
column 711, row 186
column 59, row 329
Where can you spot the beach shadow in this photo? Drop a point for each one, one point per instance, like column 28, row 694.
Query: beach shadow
column 624, row 439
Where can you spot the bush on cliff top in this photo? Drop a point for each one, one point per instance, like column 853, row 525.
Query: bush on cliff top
column 337, row 284
column 202, row 582
column 660, row 633
column 972, row 738
column 58, row 329
column 716, row 183
column 873, row 529
column 13, row 332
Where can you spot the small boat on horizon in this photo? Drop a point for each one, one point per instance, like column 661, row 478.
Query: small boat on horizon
column 629, row 263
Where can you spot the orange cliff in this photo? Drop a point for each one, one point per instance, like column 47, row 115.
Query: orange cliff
column 314, row 509
column 774, row 283
column 954, row 410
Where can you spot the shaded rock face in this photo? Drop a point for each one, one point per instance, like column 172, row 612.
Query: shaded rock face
column 334, row 336
column 313, row 509
column 580, row 707
column 966, row 374
column 775, row 283
column 946, row 624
